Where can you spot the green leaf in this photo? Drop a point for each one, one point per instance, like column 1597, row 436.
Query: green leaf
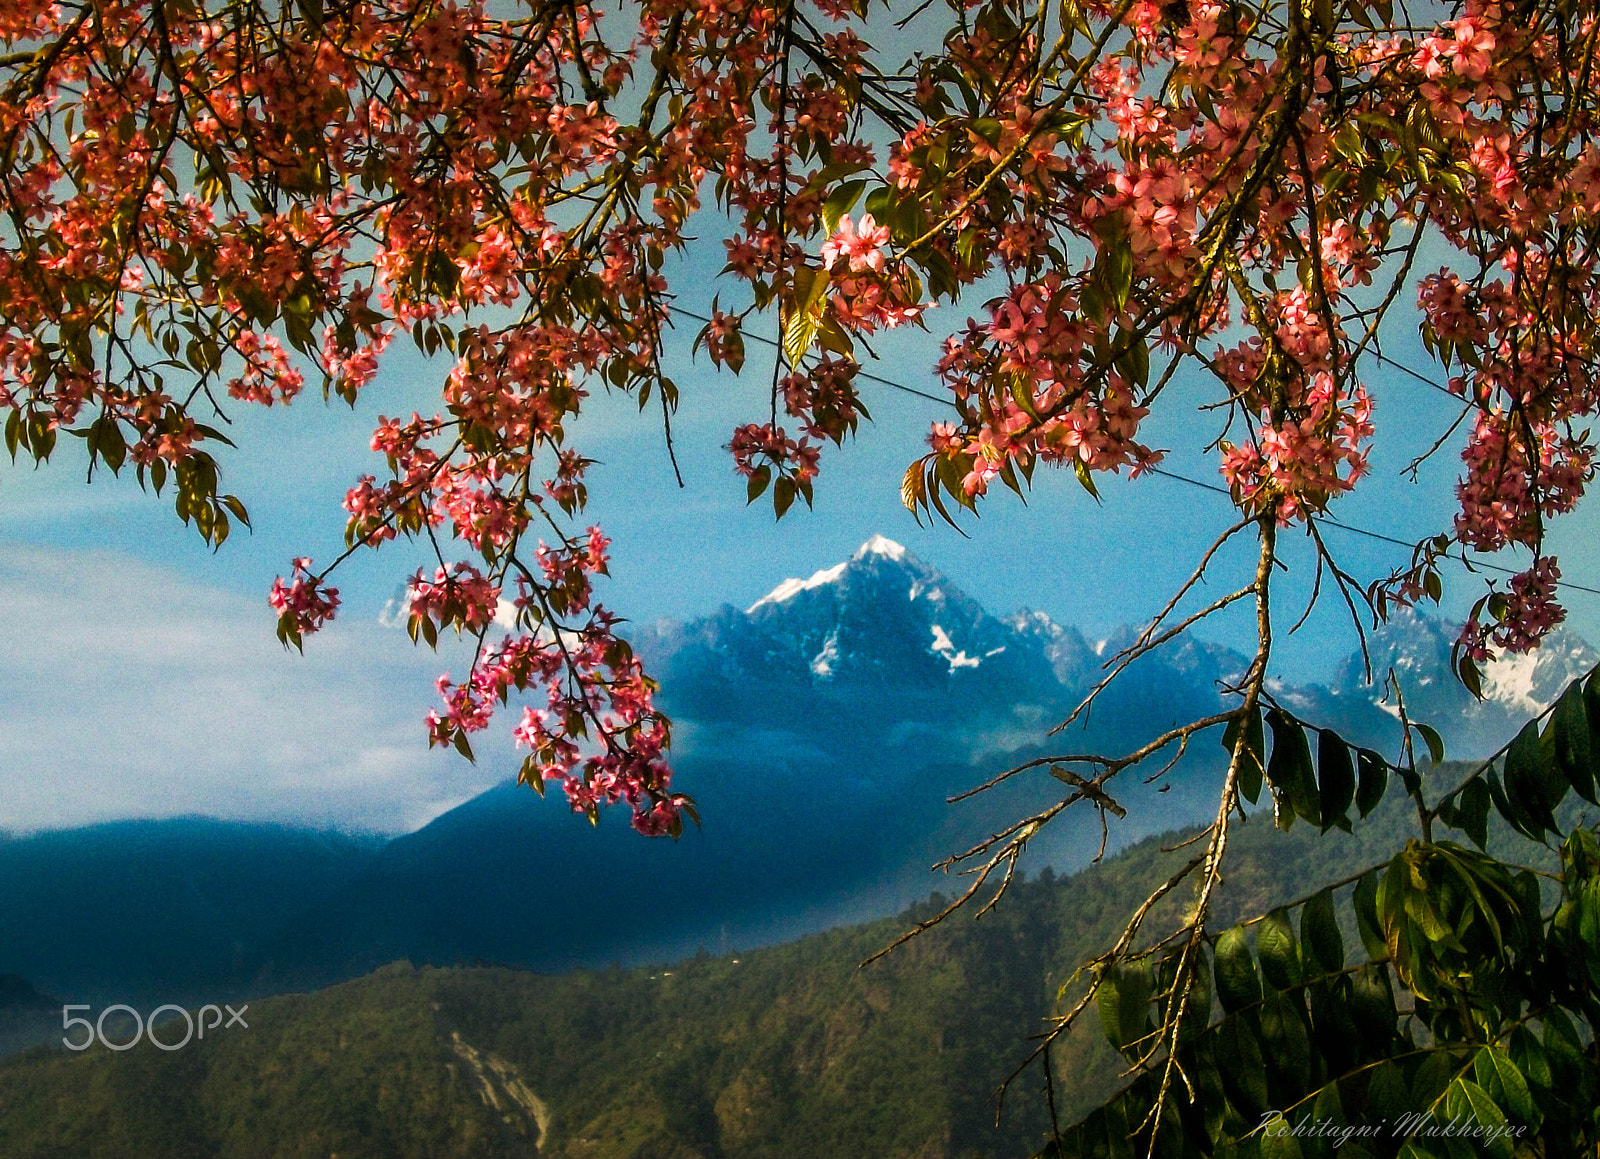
column 1574, row 755
column 109, row 442
column 1509, row 809
column 1336, row 781
column 1118, row 1131
column 783, row 493
column 1528, row 1056
column 234, row 505
column 1374, row 779
column 443, row 275
column 1238, row 984
column 1528, row 782
column 1472, row 811
column 1275, row 945
column 1431, row 738
column 1387, row 1096
column 1364, row 900
column 943, row 280
column 1499, row 1076
column 810, row 289
column 1123, row 1001
column 1289, row 768
column 759, row 479
column 880, row 202
column 1212, row 1101
column 906, row 222
column 1588, row 907
column 1471, row 678
column 1420, row 908
column 1334, row 1033
column 1328, row 1108
column 1249, row 768
column 1467, row 1102
column 1372, row 1006
column 840, row 202
column 1563, row 1049
column 914, row 488
column 1591, row 704
column 1319, row 932
column 1244, row 1073
column 1429, row 1081
column 1133, row 361
column 1279, row 1142
column 1114, row 271
column 1284, row 1037
column 1085, row 479
column 41, row 436
column 1409, row 778
column 1087, row 1139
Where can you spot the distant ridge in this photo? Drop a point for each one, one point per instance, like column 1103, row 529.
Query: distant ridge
column 820, row 730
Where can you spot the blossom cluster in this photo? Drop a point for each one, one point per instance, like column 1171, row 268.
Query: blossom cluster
column 1521, row 617
column 598, row 734
column 304, row 604
column 764, row 447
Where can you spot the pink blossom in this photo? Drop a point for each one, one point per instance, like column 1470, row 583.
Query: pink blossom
column 862, row 245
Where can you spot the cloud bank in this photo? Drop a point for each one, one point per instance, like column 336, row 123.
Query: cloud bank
column 128, row 690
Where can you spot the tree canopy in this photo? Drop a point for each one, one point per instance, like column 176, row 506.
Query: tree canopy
column 217, row 202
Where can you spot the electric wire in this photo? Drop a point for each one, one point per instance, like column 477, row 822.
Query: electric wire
column 1328, row 520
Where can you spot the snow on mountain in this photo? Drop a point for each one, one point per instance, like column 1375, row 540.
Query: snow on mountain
column 957, row 659
column 1527, row 684
column 822, row 663
column 1072, row 658
column 881, row 545
column 881, row 616
column 790, row 588
column 1416, row 648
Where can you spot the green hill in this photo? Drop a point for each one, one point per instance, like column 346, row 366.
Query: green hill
column 786, row 1053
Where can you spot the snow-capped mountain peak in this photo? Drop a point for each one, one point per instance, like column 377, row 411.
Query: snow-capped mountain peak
column 880, row 545
column 790, row 588
column 884, row 620
column 877, row 550
column 881, row 617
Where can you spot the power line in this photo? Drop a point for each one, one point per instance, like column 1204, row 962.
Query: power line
column 1333, row 521
column 1329, row 520
column 859, row 374
column 1422, row 378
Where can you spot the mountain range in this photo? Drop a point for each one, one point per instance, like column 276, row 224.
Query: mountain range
column 820, row 730
column 883, row 637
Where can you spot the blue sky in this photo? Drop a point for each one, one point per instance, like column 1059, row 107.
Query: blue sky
column 139, row 675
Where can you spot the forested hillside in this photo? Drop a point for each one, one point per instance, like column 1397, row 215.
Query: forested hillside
column 777, row 1054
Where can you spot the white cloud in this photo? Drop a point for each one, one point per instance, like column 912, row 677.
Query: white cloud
column 127, row 690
